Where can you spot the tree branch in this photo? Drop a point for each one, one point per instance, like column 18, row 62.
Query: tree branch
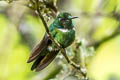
column 63, row 51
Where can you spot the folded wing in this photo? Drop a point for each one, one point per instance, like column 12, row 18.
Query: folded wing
column 39, row 48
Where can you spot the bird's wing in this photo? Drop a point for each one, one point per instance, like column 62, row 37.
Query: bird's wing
column 47, row 60
column 43, row 61
column 39, row 48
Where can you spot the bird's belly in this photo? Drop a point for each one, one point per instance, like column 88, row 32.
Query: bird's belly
column 65, row 38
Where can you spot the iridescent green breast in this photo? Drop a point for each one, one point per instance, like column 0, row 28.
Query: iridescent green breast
column 65, row 37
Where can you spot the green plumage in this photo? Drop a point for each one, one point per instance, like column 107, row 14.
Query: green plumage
column 64, row 38
column 62, row 29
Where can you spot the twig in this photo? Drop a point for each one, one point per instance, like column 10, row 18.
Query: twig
column 51, row 5
column 46, row 27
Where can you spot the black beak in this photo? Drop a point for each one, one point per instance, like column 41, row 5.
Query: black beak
column 74, row 17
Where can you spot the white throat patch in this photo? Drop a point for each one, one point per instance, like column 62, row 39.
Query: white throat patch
column 64, row 30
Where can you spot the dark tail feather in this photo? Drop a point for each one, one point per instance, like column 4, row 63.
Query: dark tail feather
column 47, row 60
column 36, row 63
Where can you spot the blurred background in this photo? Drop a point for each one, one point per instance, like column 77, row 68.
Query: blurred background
column 98, row 27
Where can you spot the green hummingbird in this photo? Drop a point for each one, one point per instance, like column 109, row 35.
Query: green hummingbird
column 62, row 30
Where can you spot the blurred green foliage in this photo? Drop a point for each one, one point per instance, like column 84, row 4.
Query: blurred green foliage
column 12, row 53
column 106, row 61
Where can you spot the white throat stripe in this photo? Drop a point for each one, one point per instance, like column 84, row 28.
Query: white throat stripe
column 64, row 30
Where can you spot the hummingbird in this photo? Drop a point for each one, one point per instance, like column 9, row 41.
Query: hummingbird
column 62, row 30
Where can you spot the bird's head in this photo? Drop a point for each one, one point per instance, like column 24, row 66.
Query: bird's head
column 65, row 20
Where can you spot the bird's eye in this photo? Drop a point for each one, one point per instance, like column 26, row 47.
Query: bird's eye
column 60, row 19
